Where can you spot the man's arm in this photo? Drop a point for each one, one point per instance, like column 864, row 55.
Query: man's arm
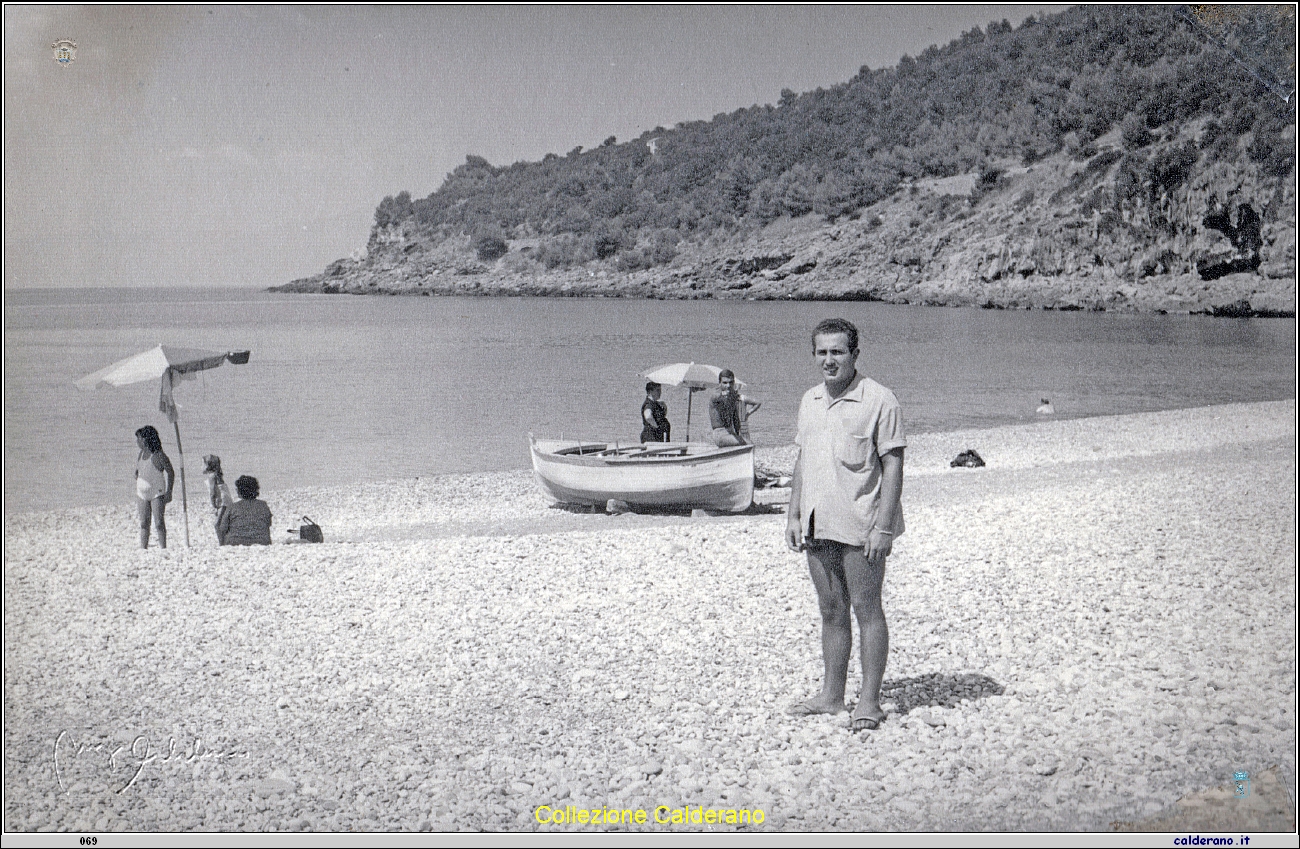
column 880, row 541
column 793, row 524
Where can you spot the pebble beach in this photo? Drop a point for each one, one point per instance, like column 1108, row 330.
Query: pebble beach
column 1097, row 624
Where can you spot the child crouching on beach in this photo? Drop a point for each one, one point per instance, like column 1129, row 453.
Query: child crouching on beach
column 248, row 520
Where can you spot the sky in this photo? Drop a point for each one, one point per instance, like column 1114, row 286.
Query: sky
column 249, row 146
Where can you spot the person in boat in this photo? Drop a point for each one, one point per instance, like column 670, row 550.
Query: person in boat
column 154, row 479
column 724, row 411
column 654, row 415
column 845, row 513
column 248, row 520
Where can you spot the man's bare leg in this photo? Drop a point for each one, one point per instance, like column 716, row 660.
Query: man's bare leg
column 827, row 573
column 726, row 439
column 864, row 579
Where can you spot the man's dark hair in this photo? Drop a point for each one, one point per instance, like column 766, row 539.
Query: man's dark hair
column 726, row 372
column 651, row 386
column 836, row 325
column 247, row 487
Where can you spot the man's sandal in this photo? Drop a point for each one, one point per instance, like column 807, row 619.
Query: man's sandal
column 865, row 723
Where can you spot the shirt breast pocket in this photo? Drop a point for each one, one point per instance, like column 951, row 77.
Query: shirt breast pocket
column 856, row 451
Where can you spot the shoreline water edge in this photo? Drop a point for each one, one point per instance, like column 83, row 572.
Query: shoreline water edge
column 1238, row 296
column 1094, row 626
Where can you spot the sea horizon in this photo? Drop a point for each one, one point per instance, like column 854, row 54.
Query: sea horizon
column 375, row 388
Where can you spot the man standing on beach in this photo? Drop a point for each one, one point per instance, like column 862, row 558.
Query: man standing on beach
column 845, row 512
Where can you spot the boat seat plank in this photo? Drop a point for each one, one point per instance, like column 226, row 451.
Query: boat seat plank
column 678, row 450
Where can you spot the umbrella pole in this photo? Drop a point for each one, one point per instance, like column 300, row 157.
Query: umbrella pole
column 690, row 394
column 185, row 506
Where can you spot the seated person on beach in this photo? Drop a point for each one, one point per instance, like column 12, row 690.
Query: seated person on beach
column 654, row 415
column 724, row 411
column 248, row 520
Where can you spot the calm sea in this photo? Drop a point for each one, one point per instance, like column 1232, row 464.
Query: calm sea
column 345, row 389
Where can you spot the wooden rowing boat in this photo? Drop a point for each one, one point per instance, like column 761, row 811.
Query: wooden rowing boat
column 657, row 474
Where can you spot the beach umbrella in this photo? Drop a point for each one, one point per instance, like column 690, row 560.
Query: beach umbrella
column 695, row 376
column 167, row 365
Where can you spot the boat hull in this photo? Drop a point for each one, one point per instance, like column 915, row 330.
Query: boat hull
column 655, row 475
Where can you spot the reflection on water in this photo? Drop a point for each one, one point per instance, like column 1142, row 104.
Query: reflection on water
column 344, row 388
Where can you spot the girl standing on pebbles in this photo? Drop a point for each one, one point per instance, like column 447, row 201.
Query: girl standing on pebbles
column 154, row 478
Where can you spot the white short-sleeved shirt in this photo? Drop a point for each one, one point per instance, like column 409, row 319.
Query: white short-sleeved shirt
column 840, row 444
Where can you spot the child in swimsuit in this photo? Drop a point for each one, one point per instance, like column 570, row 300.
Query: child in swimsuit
column 154, row 478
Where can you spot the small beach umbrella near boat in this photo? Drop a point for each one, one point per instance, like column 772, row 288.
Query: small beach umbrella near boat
column 695, row 376
column 167, row 365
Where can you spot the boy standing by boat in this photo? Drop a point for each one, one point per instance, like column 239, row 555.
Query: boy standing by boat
column 654, row 415
column 845, row 513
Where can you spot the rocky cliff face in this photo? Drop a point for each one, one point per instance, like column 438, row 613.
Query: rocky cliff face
column 1107, row 228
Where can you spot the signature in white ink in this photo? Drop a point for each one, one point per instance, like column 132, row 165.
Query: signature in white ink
column 135, row 757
